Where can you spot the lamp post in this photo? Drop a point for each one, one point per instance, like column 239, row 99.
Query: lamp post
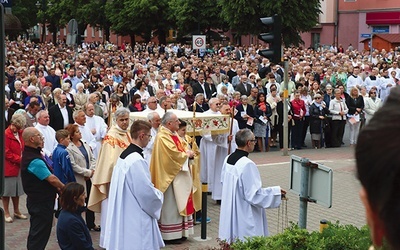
column 43, row 7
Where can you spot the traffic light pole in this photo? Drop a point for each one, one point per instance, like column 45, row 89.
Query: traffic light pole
column 285, row 109
column 2, row 125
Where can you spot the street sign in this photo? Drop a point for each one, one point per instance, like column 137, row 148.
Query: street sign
column 320, row 181
column 380, row 29
column 72, row 29
column 366, row 35
column 199, row 42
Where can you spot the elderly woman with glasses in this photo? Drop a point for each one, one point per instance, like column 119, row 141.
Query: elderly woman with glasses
column 317, row 111
column 12, row 172
column 372, row 104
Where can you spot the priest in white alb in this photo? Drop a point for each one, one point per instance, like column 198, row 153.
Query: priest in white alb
column 80, row 120
column 134, row 204
column 213, row 150
column 96, row 125
column 242, row 211
column 50, row 142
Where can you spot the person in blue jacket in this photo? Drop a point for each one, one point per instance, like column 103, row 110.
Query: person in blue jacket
column 61, row 162
column 72, row 232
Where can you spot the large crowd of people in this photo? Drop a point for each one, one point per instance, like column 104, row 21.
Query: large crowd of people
column 77, row 104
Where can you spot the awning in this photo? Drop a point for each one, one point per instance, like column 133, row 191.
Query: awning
column 383, row 18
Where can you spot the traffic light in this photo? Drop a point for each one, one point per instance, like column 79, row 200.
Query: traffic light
column 273, row 38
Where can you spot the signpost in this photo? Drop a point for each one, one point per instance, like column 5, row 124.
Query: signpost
column 199, row 42
column 2, row 125
column 72, row 32
column 312, row 182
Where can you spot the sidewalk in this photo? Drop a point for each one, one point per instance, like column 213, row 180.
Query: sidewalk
column 275, row 170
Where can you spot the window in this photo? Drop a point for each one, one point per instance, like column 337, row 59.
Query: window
column 350, row 1
column 85, row 33
column 93, row 32
column 100, row 33
column 315, row 39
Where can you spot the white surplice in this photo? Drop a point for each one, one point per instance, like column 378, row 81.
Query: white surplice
column 149, row 148
column 244, row 201
column 87, row 136
column 134, row 207
column 50, row 142
column 213, row 150
column 97, row 123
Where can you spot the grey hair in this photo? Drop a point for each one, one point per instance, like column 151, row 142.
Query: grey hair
column 213, row 100
column 114, row 97
column 198, row 95
column 76, row 113
column 65, row 86
column 121, row 112
column 46, row 89
column 167, row 117
column 17, row 82
column 337, row 91
column 40, row 113
column 151, row 115
column 31, row 88
column 80, row 85
column 243, row 97
column 18, row 120
column 56, row 90
column 243, row 136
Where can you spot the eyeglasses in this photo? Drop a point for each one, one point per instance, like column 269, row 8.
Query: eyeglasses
column 150, row 136
column 218, row 104
column 254, row 140
column 373, row 93
column 317, row 98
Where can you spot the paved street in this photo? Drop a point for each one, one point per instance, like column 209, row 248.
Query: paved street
column 275, row 170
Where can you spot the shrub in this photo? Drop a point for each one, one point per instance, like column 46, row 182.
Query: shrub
column 335, row 237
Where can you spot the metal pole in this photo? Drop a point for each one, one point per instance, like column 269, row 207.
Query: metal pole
column 370, row 46
column 2, row 128
column 285, row 109
column 204, row 211
column 305, row 172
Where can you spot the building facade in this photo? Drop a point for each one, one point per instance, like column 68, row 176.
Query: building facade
column 352, row 21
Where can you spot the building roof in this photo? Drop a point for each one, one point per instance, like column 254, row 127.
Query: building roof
column 392, row 38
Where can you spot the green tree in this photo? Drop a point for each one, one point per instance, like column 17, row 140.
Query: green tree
column 26, row 12
column 195, row 16
column 83, row 11
column 243, row 16
column 139, row 17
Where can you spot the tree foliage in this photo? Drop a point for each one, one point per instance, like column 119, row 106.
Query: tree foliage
column 195, row 16
column 155, row 17
column 26, row 11
column 297, row 16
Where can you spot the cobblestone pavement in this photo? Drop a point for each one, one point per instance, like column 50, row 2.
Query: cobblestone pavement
column 275, row 170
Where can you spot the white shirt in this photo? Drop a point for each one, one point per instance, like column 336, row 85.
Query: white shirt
column 64, row 113
column 50, row 142
column 97, row 123
column 87, row 136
